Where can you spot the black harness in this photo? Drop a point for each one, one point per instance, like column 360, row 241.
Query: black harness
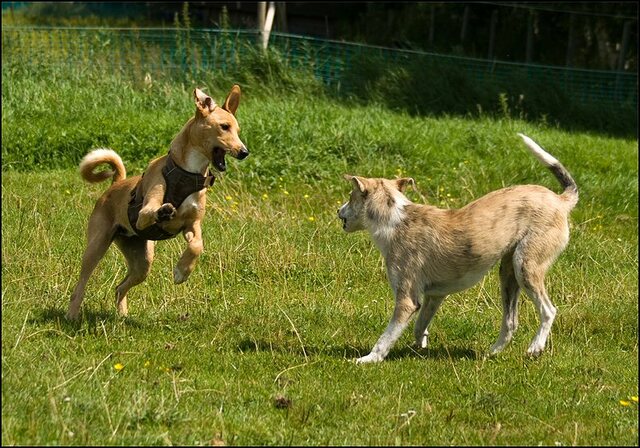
column 180, row 184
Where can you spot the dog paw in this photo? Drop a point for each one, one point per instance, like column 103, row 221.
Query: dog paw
column 534, row 352
column 422, row 341
column 179, row 276
column 166, row 213
column 370, row 358
column 72, row 316
column 495, row 349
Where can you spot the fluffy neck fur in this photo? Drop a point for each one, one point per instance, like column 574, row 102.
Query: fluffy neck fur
column 384, row 213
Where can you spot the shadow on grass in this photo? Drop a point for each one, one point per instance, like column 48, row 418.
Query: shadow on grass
column 351, row 352
column 90, row 318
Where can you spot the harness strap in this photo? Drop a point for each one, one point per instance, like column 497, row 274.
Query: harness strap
column 179, row 185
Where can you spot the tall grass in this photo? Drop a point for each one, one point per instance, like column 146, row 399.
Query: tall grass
column 257, row 346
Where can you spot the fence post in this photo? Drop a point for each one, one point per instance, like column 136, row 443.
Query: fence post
column 492, row 33
column 623, row 51
column 265, row 22
column 432, row 25
column 281, row 12
column 465, row 21
column 529, row 49
column 625, row 43
column 262, row 12
column 571, row 41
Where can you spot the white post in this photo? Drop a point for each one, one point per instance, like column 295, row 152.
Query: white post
column 268, row 23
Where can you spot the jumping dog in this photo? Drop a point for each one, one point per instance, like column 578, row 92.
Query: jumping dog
column 168, row 198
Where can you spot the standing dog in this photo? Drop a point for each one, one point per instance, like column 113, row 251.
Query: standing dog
column 435, row 252
column 167, row 199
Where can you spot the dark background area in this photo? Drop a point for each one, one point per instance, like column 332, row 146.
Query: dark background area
column 590, row 35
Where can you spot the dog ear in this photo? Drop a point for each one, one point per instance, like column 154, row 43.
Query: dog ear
column 233, row 100
column 357, row 182
column 204, row 103
column 402, row 183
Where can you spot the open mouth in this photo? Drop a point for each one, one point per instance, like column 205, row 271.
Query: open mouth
column 218, row 159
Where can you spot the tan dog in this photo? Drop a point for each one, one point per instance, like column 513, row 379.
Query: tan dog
column 435, row 252
column 167, row 199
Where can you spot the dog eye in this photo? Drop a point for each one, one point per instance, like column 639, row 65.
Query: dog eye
column 225, row 126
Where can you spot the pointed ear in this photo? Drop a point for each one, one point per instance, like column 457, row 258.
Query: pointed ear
column 357, row 182
column 404, row 182
column 204, row 103
column 233, row 100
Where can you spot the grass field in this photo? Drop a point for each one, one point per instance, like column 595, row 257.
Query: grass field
column 258, row 346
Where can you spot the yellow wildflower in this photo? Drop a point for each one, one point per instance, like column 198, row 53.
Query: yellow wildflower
column 118, row 367
column 625, row 402
column 634, row 398
column 311, row 218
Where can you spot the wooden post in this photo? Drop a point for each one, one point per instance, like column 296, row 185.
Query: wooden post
column 571, row 41
column 432, row 25
column 623, row 51
column 492, row 34
column 281, row 13
column 465, row 22
column 626, row 31
column 529, row 50
column 268, row 23
column 262, row 12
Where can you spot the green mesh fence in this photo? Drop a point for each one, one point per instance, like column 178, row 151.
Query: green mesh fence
column 168, row 51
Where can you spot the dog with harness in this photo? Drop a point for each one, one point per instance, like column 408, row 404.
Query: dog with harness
column 167, row 199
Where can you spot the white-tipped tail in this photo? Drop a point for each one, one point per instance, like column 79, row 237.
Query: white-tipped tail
column 558, row 170
column 97, row 157
column 538, row 152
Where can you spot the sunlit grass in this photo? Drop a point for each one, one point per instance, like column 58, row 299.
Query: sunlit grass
column 256, row 348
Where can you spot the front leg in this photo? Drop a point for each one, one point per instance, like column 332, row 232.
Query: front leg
column 404, row 309
column 193, row 235
column 421, row 330
column 153, row 210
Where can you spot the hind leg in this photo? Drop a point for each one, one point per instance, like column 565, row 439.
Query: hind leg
column 427, row 311
column 530, row 272
column 193, row 236
column 99, row 236
column 510, row 291
column 139, row 255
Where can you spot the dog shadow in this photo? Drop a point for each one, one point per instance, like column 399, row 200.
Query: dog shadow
column 351, row 352
column 88, row 318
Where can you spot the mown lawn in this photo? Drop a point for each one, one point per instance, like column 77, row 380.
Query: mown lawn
column 258, row 346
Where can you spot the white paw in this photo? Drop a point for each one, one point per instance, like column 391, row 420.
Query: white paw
column 535, row 350
column 496, row 348
column 371, row 357
column 179, row 276
column 423, row 341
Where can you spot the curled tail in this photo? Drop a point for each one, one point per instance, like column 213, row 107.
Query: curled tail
column 570, row 192
column 97, row 157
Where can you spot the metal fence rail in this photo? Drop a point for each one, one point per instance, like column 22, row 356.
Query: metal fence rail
column 167, row 50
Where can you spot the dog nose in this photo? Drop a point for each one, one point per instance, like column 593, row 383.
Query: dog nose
column 244, row 152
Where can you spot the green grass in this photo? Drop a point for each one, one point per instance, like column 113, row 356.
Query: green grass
column 282, row 300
